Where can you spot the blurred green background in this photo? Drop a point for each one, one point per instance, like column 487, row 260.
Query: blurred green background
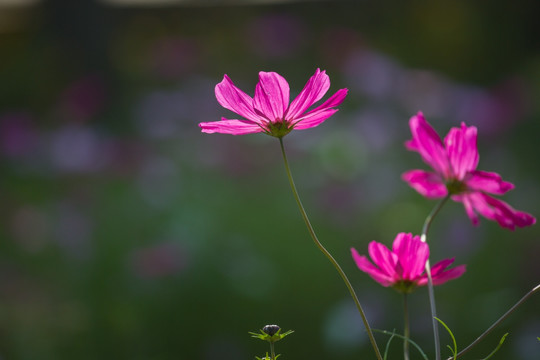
column 127, row 234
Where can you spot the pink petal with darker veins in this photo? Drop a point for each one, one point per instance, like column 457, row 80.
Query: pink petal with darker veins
column 271, row 96
column 440, row 275
column 314, row 120
column 503, row 213
column 320, row 113
column 496, row 210
column 234, row 99
column 489, row 182
column 232, row 127
column 430, row 146
column 313, row 91
column 462, row 150
column 366, row 266
column 412, row 254
column 426, row 183
column 383, row 258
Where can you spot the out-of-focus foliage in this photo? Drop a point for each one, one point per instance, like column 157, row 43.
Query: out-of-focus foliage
column 127, row 234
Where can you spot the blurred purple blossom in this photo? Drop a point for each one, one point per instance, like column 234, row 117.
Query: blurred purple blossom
column 77, row 149
column 18, row 135
column 372, row 74
column 83, row 99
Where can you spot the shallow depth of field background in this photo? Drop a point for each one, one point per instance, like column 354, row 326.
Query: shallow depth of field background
column 127, row 234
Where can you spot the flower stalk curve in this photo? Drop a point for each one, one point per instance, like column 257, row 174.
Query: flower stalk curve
column 327, row 254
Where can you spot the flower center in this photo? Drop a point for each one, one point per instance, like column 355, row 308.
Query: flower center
column 279, row 128
column 404, row 286
column 455, row 187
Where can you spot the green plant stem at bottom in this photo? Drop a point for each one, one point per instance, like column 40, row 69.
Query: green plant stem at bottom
column 328, row 255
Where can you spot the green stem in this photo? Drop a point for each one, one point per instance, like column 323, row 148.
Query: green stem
column 496, row 323
column 406, row 330
column 272, row 352
column 328, row 255
column 431, row 292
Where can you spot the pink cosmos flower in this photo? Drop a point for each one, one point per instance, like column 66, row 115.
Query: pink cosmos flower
column 403, row 267
column 269, row 110
column 454, row 165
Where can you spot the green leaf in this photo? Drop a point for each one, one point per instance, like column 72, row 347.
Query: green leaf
column 404, row 338
column 270, row 338
column 388, row 344
column 498, row 347
column 454, row 351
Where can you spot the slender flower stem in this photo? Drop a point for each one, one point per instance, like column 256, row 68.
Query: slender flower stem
column 272, row 352
column 406, row 331
column 328, row 255
column 496, row 323
column 431, row 292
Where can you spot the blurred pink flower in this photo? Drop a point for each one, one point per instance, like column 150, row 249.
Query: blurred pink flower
column 269, row 110
column 454, row 163
column 403, row 267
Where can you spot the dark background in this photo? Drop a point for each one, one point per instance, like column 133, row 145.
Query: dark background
column 125, row 233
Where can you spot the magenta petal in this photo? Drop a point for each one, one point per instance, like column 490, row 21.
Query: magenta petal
column 234, row 99
column 504, row 214
column 462, row 150
column 426, row 183
column 366, row 266
column 233, row 127
column 332, row 101
column 430, row 146
column 412, row 254
column 489, row 182
column 314, row 119
column 271, row 96
column 440, row 275
column 383, row 258
column 313, row 91
column 496, row 210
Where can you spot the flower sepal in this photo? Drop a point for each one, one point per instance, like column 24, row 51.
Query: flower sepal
column 278, row 129
column 270, row 333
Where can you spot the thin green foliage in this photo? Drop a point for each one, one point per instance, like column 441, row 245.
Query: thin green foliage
column 498, row 347
column 454, row 350
column 388, row 344
column 404, row 338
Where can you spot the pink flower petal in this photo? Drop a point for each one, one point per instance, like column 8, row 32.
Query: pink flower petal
column 503, row 213
column 489, row 182
column 314, row 120
column 234, row 99
column 320, row 113
column 271, row 96
column 366, row 266
column 440, row 275
column 313, row 91
column 497, row 210
column 430, row 146
column 333, row 101
column 412, row 254
column 462, row 151
column 426, row 183
column 383, row 258
column 233, row 127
